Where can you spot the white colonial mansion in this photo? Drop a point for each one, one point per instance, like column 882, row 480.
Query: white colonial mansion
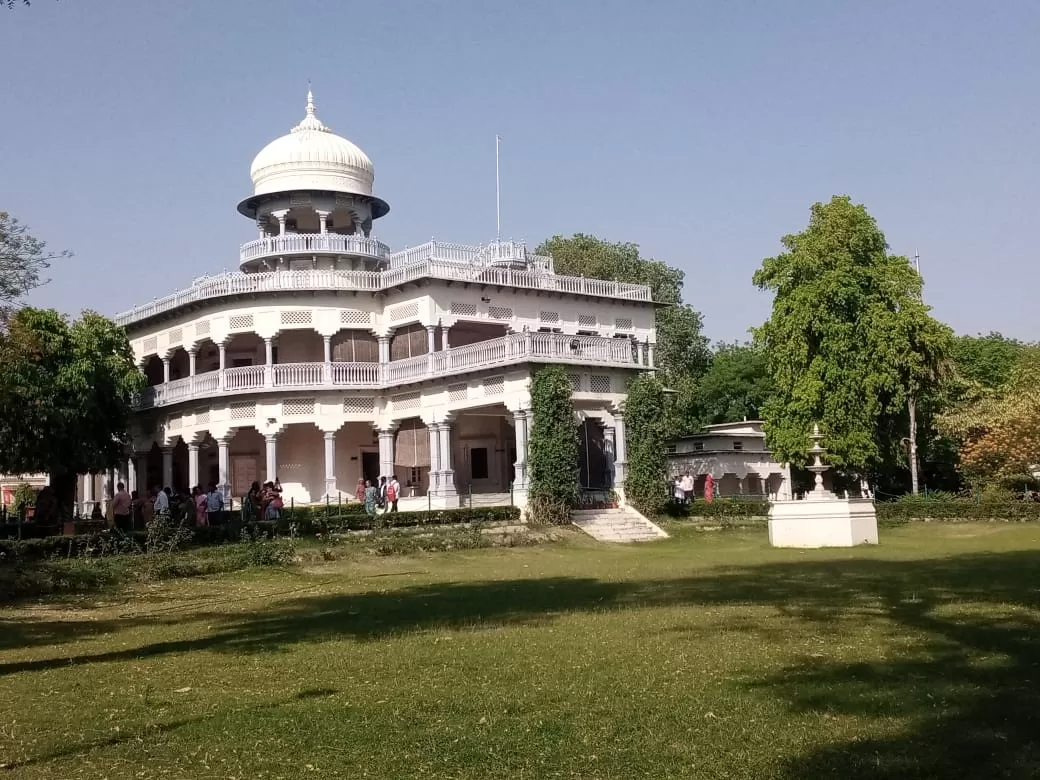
column 328, row 358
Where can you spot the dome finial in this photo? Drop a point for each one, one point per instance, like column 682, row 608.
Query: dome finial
column 311, row 121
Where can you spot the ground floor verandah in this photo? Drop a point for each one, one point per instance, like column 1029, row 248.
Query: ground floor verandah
column 475, row 456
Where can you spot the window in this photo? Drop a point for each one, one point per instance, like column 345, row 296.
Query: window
column 414, row 476
column 698, row 446
column 738, row 445
column 478, row 463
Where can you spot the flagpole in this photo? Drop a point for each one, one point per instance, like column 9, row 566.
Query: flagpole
column 498, row 192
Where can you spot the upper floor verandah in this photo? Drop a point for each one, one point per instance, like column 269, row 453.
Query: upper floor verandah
column 504, row 264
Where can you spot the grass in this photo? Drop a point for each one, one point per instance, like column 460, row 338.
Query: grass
column 709, row 655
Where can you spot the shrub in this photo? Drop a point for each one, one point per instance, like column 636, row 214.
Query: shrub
column 552, row 457
column 926, row 508
column 309, row 521
column 24, row 496
column 720, row 508
column 646, row 486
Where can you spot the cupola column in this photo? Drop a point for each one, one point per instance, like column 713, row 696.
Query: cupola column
column 191, row 360
column 280, row 215
column 444, row 337
column 323, row 221
column 166, row 368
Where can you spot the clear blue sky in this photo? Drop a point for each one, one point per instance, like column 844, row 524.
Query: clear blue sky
column 701, row 131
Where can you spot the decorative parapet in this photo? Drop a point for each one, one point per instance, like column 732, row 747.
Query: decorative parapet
column 508, row 350
column 464, row 264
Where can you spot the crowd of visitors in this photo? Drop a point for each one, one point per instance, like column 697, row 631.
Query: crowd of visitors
column 129, row 510
column 382, row 496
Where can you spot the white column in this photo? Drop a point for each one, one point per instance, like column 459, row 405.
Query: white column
column 447, row 487
column 269, row 353
column 650, row 355
column 431, row 335
column 384, row 349
column 435, row 457
column 280, row 215
column 271, row 440
column 610, row 448
column 323, row 217
column 386, row 452
column 444, row 337
column 193, row 465
column 108, row 489
column 520, row 467
column 222, row 351
column 87, row 494
column 620, row 450
column 191, row 362
column 167, row 467
column 330, row 463
column 131, row 473
column 223, row 470
column 327, row 341
column 639, row 354
column 166, row 369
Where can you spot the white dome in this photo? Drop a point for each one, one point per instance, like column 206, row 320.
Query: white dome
column 312, row 157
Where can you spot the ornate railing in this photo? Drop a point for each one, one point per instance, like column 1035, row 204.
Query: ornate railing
column 511, row 349
column 313, row 243
column 451, row 262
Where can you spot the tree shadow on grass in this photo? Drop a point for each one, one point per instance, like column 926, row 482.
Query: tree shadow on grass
column 967, row 693
column 154, row 729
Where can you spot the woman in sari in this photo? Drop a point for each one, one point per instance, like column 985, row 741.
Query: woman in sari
column 199, row 498
column 371, row 495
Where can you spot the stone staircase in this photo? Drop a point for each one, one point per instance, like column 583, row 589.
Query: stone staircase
column 616, row 525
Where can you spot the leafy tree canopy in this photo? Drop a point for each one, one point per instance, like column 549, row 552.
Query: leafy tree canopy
column 682, row 350
column 67, row 391
column 849, row 341
column 736, row 384
column 987, row 361
column 23, row 259
column 999, row 431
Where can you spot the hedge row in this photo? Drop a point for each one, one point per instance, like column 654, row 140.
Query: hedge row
column 319, row 519
column 920, row 508
column 902, row 510
column 720, row 507
column 308, row 521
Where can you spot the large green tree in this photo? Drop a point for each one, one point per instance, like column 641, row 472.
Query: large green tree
column 682, row 352
column 850, row 343
column 736, row 384
column 66, row 390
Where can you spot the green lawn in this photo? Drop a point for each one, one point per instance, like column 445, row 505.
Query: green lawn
column 709, row 655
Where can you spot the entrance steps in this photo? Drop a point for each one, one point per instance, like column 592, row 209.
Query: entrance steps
column 616, row 525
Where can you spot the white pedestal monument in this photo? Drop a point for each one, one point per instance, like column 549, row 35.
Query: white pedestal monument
column 821, row 519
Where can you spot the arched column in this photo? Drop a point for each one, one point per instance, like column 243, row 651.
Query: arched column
column 167, row 466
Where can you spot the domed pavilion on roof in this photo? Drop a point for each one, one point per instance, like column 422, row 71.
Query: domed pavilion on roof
column 327, row 359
